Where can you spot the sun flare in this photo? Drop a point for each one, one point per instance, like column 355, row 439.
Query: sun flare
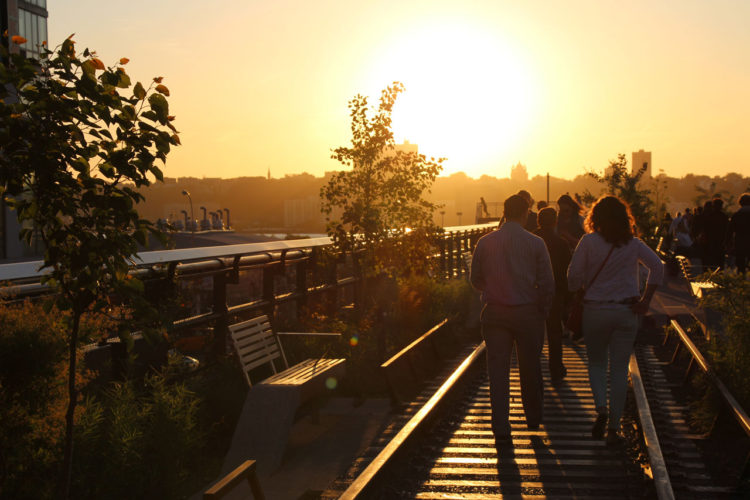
column 468, row 95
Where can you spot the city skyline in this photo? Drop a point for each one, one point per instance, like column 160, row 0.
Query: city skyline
column 559, row 87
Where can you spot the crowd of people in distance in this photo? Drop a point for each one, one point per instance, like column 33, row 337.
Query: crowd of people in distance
column 709, row 234
column 527, row 270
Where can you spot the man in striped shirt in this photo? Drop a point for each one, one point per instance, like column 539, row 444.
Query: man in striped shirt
column 512, row 269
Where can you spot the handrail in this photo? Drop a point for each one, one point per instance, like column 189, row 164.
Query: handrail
column 662, row 483
column 403, row 352
column 739, row 413
column 365, row 479
column 33, row 269
column 228, row 482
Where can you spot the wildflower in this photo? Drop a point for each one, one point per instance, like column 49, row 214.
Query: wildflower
column 124, row 60
column 18, row 40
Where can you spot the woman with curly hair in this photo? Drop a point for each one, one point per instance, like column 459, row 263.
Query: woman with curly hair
column 605, row 266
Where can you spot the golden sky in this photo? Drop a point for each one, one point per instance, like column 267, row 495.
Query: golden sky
column 560, row 86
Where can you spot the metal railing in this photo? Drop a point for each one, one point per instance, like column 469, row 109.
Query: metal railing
column 287, row 272
column 662, row 482
column 696, row 357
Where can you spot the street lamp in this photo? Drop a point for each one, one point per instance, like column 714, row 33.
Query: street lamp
column 459, row 217
column 192, row 218
column 442, row 218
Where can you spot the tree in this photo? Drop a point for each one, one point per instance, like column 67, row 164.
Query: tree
column 708, row 194
column 77, row 142
column 378, row 200
column 626, row 186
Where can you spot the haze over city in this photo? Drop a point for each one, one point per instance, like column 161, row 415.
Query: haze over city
column 559, row 86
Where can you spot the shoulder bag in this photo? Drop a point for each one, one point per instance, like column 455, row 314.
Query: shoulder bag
column 574, row 322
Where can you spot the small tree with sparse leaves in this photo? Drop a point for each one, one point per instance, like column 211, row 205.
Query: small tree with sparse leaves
column 627, row 186
column 377, row 203
column 77, row 140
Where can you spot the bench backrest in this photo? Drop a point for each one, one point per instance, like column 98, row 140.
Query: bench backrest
column 256, row 345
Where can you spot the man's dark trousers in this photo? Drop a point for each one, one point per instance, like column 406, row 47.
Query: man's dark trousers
column 502, row 326
column 554, row 337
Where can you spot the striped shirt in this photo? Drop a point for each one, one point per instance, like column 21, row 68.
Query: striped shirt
column 511, row 266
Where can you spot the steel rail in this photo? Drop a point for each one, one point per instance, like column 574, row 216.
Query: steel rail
column 361, row 484
column 662, row 482
column 739, row 413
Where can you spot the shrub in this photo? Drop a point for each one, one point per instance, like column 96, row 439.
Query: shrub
column 729, row 349
column 32, row 398
column 137, row 440
column 405, row 309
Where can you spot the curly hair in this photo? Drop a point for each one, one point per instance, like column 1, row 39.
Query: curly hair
column 611, row 217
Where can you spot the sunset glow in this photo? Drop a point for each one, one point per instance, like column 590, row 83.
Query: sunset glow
column 468, row 96
column 558, row 86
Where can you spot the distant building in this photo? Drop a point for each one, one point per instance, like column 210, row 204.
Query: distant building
column 303, row 212
column 407, row 147
column 642, row 159
column 29, row 20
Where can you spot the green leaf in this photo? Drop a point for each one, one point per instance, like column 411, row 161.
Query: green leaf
column 160, row 106
column 88, row 69
column 139, row 91
column 157, row 173
column 124, row 80
column 81, row 165
column 134, row 284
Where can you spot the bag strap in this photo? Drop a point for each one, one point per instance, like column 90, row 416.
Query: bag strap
column 600, row 269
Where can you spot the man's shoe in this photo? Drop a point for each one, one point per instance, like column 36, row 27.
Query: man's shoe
column 613, row 438
column 597, row 431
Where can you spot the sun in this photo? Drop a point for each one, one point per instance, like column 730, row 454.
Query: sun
column 468, row 96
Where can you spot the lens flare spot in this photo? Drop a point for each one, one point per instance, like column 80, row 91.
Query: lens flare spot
column 331, row 383
column 354, row 340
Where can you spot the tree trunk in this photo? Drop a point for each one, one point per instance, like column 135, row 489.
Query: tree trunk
column 72, row 400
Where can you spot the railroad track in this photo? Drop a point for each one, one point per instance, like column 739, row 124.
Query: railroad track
column 451, row 453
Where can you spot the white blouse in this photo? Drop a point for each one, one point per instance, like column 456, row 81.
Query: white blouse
column 618, row 280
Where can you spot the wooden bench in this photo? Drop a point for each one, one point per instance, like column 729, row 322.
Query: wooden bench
column 406, row 371
column 696, row 288
column 257, row 345
column 272, row 404
column 665, row 250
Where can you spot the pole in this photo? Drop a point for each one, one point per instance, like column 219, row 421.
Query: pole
column 192, row 217
column 547, row 188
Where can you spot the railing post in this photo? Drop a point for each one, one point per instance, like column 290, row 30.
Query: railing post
column 269, row 292
column 449, row 251
column 331, row 279
column 302, row 292
column 441, row 244
column 221, row 324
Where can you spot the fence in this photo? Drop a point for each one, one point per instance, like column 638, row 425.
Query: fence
column 221, row 283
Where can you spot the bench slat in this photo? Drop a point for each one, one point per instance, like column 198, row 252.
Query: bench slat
column 256, row 345
column 303, row 372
